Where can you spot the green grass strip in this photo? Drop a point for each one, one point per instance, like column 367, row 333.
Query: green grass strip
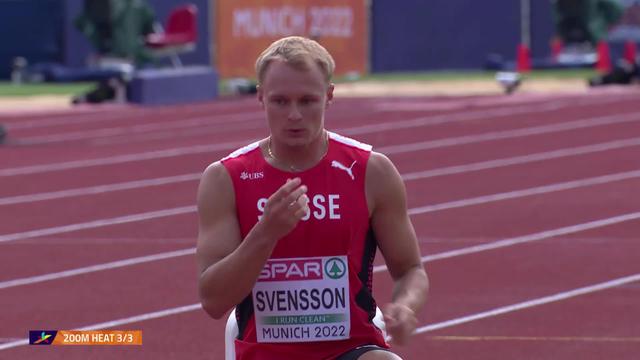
column 8, row 89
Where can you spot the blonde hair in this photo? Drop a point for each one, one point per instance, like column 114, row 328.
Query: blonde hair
column 298, row 52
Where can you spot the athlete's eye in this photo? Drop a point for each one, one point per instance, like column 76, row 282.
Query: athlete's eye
column 279, row 101
column 307, row 101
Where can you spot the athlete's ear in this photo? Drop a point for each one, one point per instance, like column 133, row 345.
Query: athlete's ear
column 260, row 94
column 330, row 94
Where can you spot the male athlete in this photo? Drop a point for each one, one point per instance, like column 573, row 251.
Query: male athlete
column 289, row 225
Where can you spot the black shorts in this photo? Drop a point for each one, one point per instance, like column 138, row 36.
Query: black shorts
column 354, row 354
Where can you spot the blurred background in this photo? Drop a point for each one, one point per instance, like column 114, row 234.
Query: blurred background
column 66, row 41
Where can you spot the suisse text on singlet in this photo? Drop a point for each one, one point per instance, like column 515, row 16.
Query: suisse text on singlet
column 320, row 207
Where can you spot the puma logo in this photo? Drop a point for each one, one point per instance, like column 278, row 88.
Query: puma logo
column 337, row 164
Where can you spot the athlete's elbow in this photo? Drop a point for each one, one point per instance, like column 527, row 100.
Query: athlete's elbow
column 213, row 308
column 211, row 303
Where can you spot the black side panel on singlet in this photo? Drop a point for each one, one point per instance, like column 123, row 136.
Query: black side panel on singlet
column 244, row 311
column 364, row 297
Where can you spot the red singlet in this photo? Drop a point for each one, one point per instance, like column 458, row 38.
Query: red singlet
column 313, row 298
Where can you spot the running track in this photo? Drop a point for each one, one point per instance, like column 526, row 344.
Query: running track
column 526, row 208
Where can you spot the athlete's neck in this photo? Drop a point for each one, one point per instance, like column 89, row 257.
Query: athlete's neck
column 297, row 158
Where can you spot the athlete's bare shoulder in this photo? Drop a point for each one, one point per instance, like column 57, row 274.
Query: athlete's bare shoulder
column 382, row 180
column 216, row 173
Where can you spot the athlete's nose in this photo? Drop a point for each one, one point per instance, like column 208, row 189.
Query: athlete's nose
column 294, row 113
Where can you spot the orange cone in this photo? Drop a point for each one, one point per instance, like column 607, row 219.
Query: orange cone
column 603, row 65
column 630, row 51
column 523, row 59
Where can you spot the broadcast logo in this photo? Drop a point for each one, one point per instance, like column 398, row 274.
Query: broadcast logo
column 41, row 337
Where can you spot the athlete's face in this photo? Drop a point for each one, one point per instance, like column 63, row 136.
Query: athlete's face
column 295, row 101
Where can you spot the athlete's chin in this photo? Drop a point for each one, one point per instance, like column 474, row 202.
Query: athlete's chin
column 296, row 133
column 297, row 137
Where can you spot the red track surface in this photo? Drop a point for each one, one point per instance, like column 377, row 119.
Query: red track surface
column 563, row 173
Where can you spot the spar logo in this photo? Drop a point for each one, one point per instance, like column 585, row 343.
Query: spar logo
column 335, row 268
column 291, row 270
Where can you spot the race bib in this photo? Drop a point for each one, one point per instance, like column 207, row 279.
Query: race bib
column 302, row 299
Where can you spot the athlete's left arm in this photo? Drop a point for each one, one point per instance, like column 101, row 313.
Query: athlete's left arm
column 386, row 195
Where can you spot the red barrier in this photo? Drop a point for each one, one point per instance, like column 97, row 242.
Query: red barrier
column 604, row 57
column 630, row 51
column 523, row 59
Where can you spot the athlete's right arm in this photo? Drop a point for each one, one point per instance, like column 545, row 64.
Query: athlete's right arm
column 228, row 265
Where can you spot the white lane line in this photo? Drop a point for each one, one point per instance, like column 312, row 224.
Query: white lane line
column 443, row 255
column 222, row 122
column 413, row 211
column 510, row 134
column 568, row 185
column 98, row 223
column 119, row 159
column 429, row 120
column 531, row 303
column 177, row 134
column 96, row 268
column 5, row 340
column 109, row 114
column 413, row 105
column 498, row 311
column 119, row 322
column 181, row 151
column 143, row 317
column 527, row 238
column 457, row 169
column 524, row 159
column 82, row 118
column 423, row 104
column 99, row 189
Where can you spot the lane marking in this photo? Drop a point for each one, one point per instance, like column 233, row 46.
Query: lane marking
column 119, row 159
column 527, row 238
column 443, row 255
column 96, row 268
column 82, row 118
column 509, row 134
column 538, row 190
column 524, row 159
column 222, row 122
column 431, row 120
column 98, row 223
column 393, row 149
column 107, row 114
column 530, row 303
column 535, row 338
column 99, row 189
column 406, row 105
column 119, row 322
column 2, row 340
column 413, row 211
column 450, row 170
column 498, row 311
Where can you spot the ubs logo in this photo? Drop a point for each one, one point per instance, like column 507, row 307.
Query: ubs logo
column 251, row 176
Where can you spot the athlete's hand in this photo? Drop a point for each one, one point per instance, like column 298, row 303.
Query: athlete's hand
column 400, row 322
column 284, row 209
